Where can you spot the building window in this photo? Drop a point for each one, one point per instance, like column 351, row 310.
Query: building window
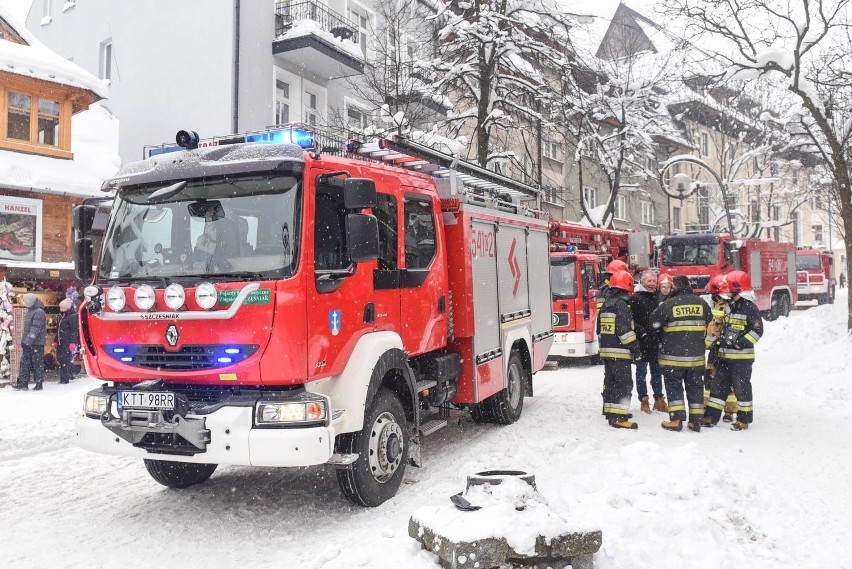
column 817, row 233
column 754, row 210
column 776, row 215
column 356, row 119
column 47, row 8
column 620, row 208
column 647, row 213
column 675, row 218
column 552, row 150
column 48, row 122
column 360, row 16
column 794, row 217
column 20, row 109
column 590, row 196
column 105, row 60
column 816, row 202
column 282, row 102
column 705, row 144
column 311, row 110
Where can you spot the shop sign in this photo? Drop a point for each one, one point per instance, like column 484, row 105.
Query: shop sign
column 20, row 229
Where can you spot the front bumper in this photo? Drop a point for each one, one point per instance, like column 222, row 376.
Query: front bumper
column 231, row 438
column 572, row 345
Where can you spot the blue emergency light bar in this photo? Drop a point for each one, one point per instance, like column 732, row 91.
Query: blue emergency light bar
column 299, row 137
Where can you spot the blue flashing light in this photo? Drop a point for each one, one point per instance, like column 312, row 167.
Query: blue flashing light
column 224, row 360
column 127, row 358
column 119, row 350
column 232, row 350
column 156, row 151
column 284, row 136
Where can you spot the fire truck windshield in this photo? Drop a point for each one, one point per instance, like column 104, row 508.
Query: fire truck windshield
column 805, row 262
column 691, row 250
column 563, row 278
column 239, row 228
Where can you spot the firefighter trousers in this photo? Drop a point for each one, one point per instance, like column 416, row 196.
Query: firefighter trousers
column 690, row 380
column 618, row 386
column 736, row 374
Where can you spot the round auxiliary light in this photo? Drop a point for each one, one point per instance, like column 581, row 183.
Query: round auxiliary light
column 144, row 297
column 206, row 295
column 175, row 296
column 116, row 299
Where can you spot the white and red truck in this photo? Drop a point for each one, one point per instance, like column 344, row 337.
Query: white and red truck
column 815, row 275
column 269, row 305
column 701, row 256
column 579, row 255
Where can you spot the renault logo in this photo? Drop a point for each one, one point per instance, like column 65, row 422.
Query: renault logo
column 172, row 335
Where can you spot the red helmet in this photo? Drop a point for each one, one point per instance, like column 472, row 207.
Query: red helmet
column 622, row 280
column 738, row 281
column 718, row 285
column 664, row 278
column 616, row 265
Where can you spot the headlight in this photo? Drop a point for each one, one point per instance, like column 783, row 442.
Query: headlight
column 299, row 412
column 116, row 299
column 95, row 405
column 206, row 295
column 144, row 297
column 175, row 296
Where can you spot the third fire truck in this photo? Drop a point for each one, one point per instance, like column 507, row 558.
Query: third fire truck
column 579, row 255
column 771, row 265
column 814, row 275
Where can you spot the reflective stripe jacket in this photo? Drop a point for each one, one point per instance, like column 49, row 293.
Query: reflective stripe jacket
column 615, row 328
column 683, row 320
column 744, row 317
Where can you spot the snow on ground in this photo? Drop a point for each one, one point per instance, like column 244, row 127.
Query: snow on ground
column 775, row 496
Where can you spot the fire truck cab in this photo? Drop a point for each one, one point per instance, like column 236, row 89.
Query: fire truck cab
column 268, row 305
column 815, row 275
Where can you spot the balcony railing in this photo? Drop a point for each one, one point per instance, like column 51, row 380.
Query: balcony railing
column 287, row 14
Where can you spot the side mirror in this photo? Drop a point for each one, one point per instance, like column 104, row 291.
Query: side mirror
column 83, row 217
column 362, row 237
column 83, row 258
column 359, row 193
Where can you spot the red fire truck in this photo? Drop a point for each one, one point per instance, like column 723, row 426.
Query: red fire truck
column 579, row 254
column 771, row 265
column 814, row 275
column 268, row 305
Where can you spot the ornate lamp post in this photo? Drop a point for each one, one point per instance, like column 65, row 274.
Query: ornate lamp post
column 682, row 185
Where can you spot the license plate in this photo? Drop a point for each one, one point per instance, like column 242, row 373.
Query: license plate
column 146, row 400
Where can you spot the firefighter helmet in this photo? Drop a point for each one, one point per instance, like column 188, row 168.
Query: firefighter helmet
column 616, row 265
column 664, row 278
column 622, row 280
column 738, row 281
column 718, row 285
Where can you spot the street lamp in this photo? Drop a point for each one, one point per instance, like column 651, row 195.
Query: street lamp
column 682, row 185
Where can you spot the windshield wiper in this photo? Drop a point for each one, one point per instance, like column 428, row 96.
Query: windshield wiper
column 129, row 279
column 250, row 275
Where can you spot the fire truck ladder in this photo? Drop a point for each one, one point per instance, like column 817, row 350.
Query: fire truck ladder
column 456, row 178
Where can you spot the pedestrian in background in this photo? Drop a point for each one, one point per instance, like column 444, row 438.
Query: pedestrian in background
column 32, row 343
column 67, row 340
column 683, row 320
column 642, row 304
column 842, row 280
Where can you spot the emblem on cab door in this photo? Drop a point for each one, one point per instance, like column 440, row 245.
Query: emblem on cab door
column 172, row 335
column 334, row 322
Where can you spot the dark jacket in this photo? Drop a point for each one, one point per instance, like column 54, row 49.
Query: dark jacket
column 642, row 304
column 744, row 325
column 67, row 330
column 35, row 325
column 615, row 328
column 683, row 320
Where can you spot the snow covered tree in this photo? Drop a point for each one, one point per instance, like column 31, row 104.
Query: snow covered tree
column 806, row 42
column 492, row 61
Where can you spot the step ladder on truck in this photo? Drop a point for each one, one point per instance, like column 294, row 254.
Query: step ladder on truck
column 271, row 305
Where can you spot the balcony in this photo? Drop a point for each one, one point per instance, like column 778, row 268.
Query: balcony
column 312, row 36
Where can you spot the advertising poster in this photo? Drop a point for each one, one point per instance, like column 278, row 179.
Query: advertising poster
column 20, row 229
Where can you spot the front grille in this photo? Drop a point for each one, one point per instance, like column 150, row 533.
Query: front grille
column 561, row 319
column 187, row 358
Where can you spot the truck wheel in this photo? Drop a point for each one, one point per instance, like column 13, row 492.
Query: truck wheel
column 784, row 306
column 382, row 449
column 505, row 407
column 178, row 474
column 772, row 313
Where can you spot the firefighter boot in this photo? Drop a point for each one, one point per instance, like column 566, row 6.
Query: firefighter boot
column 675, row 425
column 739, row 426
column 707, row 423
column 730, row 408
column 696, row 426
column 660, row 405
column 644, row 407
column 624, row 424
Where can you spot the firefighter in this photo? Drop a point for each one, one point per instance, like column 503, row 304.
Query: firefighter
column 719, row 293
column 742, row 329
column 683, row 320
column 613, row 267
column 619, row 348
column 642, row 304
column 664, row 286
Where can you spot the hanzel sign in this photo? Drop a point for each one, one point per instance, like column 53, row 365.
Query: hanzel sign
column 20, row 229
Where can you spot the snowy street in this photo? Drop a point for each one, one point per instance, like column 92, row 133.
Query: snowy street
column 777, row 495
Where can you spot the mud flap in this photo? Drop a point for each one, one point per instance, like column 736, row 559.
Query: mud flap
column 414, row 447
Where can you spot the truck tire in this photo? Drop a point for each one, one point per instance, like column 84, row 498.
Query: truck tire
column 784, row 305
column 505, row 407
column 382, row 450
column 178, row 474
